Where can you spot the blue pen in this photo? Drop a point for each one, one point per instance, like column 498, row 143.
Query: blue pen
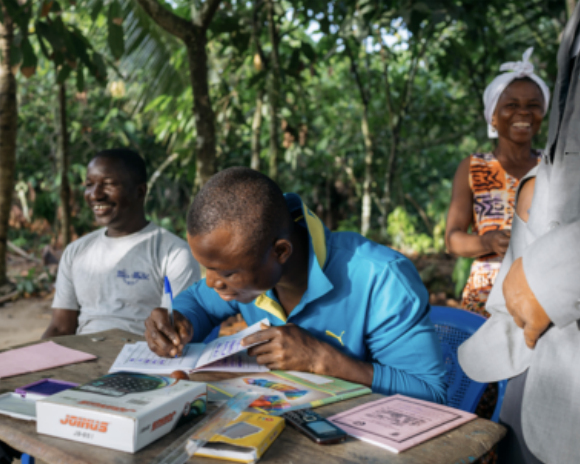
column 167, row 301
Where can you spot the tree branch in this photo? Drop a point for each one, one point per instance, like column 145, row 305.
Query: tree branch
column 208, row 11
column 256, row 28
column 421, row 212
column 354, row 69
column 169, row 21
column 387, row 83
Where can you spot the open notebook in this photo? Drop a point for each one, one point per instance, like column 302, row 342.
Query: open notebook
column 224, row 354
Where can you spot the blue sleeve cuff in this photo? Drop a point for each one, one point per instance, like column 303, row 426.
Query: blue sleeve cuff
column 390, row 381
column 203, row 308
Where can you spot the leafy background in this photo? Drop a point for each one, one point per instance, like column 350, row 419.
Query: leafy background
column 375, row 101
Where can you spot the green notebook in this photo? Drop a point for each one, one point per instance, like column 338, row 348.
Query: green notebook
column 284, row 391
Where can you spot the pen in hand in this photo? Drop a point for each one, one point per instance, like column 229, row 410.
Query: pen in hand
column 168, row 300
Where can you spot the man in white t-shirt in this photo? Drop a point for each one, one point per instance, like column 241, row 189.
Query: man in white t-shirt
column 113, row 277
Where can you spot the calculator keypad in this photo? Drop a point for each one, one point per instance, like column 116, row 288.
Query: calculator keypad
column 119, row 385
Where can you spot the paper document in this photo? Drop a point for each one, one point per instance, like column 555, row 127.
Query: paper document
column 223, row 347
column 225, row 354
column 39, row 357
column 398, row 423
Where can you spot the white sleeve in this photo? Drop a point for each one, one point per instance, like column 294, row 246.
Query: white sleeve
column 182, row 269
column 552, row 269
column 65, row 296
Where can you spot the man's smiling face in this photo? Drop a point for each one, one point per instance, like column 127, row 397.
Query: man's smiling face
column 112, row 193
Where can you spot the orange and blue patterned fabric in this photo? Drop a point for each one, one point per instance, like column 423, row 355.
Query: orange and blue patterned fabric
column 494, row 195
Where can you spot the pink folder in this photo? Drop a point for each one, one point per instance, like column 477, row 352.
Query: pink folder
column 38, row 358
column 398, row 422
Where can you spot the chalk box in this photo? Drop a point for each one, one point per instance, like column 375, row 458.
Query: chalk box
column 122, row 411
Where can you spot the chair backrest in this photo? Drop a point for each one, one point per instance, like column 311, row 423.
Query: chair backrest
column 454, row 326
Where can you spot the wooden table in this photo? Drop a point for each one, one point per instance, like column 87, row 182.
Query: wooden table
column 462, row 445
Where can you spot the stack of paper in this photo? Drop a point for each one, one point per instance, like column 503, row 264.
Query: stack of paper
column 224, row 354
column 38, row 358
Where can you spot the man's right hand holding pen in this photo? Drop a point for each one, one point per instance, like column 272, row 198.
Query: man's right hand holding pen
column 164, row 339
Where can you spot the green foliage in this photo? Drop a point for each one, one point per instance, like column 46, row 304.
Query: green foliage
column 115, row 28
column 402, row 231
column 461, row 273
column 148, row 103
column 35, row 281
column 349, row 225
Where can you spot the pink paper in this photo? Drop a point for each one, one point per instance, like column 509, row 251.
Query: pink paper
column 38, row 358
column 398, row 422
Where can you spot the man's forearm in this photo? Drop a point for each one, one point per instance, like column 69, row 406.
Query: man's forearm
column 336, row 364
column 64, row 322
column 54, row 331
column 388, row 382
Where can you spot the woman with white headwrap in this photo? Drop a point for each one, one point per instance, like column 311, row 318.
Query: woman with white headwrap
column 485, row 184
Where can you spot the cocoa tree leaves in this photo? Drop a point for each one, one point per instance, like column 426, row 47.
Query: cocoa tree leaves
column 62, row 43
column 115, row 37
column 29, row 60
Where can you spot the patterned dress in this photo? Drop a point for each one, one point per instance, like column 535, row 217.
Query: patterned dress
column 494, row 194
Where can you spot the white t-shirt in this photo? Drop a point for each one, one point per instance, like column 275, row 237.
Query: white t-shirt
column 115, row 283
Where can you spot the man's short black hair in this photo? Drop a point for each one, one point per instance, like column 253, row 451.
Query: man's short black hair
column 131, row 161
column 245, row 199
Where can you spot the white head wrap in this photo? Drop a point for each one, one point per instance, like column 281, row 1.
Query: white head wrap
column 518, row 70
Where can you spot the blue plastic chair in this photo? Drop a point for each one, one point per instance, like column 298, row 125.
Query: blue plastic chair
column 454, row 326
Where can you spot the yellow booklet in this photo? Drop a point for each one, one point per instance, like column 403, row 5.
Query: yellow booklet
column 245, row 439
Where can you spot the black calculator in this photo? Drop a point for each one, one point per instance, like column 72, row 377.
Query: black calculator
column 122, row 383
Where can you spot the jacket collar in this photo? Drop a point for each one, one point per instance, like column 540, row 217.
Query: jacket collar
column 318, row 283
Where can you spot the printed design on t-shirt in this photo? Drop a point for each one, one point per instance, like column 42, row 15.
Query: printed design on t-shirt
column 339, row 338
column 131, row 278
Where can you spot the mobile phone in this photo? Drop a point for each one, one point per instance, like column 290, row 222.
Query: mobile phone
column 43, row 388
column 315, row 427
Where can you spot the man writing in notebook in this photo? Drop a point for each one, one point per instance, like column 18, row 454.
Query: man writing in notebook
column 339, row 304
column 111, row 278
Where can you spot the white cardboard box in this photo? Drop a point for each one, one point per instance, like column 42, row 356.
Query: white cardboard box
column 122, row 411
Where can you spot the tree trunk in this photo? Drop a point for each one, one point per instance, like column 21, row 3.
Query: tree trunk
column 369, row 148
column 202, row 109
column 63, row 166
column 368, row 177
column 8, row 126
column 193, row 35
column 256, row 132
column 386, row 201
column 273, row 92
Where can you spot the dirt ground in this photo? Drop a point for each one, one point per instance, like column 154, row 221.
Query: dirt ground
column 23, row 320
